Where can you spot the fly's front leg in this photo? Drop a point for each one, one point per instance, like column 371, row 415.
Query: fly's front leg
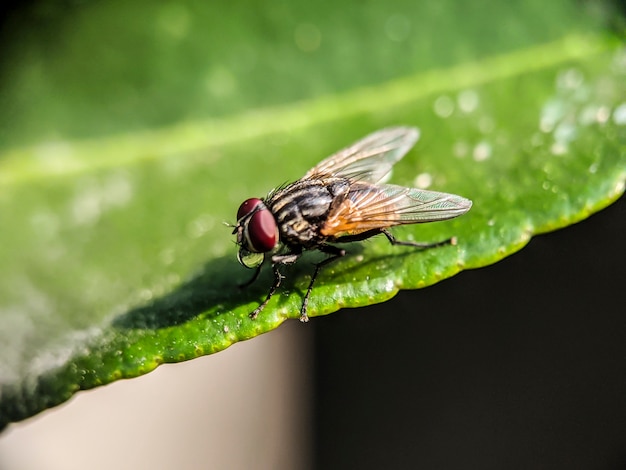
column 277, row 278
column 277, row 261
column 334, row 253
column 393, row 241
column 257, row 271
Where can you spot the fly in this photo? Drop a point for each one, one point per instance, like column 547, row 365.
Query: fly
column 340, row 200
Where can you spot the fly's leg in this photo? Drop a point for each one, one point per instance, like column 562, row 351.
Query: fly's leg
column 334, row 253
column 393, row 241
column 277, row 278
column 255, row 276
column 277, row 261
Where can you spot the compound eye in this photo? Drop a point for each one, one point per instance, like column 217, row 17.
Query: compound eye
column 262, row 231
column 247, row 206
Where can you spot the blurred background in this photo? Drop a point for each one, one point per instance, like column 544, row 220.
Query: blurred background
column 518, row 365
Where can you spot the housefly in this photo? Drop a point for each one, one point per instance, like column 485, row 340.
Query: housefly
column 340, row 200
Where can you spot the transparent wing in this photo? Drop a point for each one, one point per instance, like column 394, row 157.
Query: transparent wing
column 367, row 207
column 369, row 159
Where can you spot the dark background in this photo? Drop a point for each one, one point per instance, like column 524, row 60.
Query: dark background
column 516, row 365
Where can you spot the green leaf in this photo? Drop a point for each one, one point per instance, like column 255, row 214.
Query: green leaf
column 113, row 192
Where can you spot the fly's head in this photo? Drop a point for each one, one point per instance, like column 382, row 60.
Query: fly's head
column 257, row 232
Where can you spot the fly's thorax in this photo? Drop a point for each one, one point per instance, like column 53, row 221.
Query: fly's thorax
column 301, row 207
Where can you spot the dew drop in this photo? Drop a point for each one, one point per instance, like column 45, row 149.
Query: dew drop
column 167, row 256
column 619, row 115
column 468, row 101
column 552, row 112
column 174, row 20
column 460, row 149
column 558, row 148
column 423, row 180
column 220, row 81
column 587, row 115
column 146, row 294
column 565, row 132
column 444, row 106
column 86, row 206
column 482, row 151
column 117, row 190
column 569, row 79
column 603, row 114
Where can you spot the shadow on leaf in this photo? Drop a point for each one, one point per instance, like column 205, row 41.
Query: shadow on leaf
column 215, row 290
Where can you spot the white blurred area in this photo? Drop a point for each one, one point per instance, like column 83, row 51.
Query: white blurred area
column 247, row 407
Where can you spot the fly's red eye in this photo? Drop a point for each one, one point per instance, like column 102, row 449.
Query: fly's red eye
column 262, row 231
column 248, row 206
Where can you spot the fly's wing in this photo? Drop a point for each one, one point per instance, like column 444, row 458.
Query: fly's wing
column 368, row 207
column 369, row 159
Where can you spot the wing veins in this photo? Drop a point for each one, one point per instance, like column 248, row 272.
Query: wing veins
column 368, row 207
column 371, row 158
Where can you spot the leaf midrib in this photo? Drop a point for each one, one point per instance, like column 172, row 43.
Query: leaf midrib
column 65, row 158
